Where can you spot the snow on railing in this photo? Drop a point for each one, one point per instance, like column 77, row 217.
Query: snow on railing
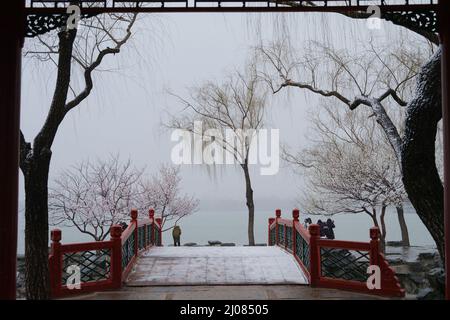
column 334, row 263
column 96, row 266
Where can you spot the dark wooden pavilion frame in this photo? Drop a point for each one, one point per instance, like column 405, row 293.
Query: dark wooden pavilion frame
column 28, row 18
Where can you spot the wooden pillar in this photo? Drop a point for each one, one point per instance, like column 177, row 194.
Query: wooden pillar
column 12, row 26
column 151, row 215
column 159, row 226
column 374, row 246
column 134, row 216
column 145, row 236
column 314, row 254
column 116, row 256
column 444, row 20
column 278, row 217
column 55, row 266
column 285, row 236
column 295, row 220
column 271, row 221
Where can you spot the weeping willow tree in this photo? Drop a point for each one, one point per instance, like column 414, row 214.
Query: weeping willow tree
column 225, row 115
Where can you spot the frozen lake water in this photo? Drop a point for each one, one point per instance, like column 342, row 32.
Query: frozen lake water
column 231, row 226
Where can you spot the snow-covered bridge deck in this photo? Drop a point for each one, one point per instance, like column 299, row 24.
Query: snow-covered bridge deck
column 140, row 268
column 215, row 266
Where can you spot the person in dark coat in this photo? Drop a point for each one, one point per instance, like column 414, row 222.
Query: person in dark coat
column 329, row 233
column 176, row 233
column 322, row 228
column 326, row 229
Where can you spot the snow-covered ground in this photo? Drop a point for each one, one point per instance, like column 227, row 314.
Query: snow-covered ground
column 216, row 265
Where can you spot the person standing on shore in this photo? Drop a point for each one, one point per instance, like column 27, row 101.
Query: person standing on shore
column 176, row 233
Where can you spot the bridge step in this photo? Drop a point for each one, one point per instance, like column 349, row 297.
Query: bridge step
column 168, row 266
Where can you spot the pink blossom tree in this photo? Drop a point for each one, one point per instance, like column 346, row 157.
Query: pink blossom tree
column 93, row 196
column 162, row 192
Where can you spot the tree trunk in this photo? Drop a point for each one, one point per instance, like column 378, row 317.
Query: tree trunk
column 383, row 229
column 36, row 228
column 420, row 175
column 403, row 226
column 250, row 206
column 35, row 166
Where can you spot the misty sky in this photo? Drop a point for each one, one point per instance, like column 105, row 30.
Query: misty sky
column 171, row 52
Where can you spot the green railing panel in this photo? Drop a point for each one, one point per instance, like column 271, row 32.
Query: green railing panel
column 95, row 265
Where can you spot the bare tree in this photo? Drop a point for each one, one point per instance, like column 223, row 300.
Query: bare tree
column 93, row 196
column 162, row 192
column 383, row 79
column 236, row 105
column 350, row 168
column 77, row 51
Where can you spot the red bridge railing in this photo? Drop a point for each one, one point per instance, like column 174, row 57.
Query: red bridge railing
column 96, row 266
column 334, row 264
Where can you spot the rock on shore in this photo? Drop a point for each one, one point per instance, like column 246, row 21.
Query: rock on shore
column 420, row 271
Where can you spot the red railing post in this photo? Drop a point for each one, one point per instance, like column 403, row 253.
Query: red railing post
column 116, row 256
column 314, row 254
column 295, row 219
column 278, row 217
column 271, row 221
column 159, row 226
column 390, row 285
column 151, row 215
column 159, row 222
column 145, row 236
column 134, row 215
column 55, row 263
column 285, row 236
column 12, row 30
column 374, row 246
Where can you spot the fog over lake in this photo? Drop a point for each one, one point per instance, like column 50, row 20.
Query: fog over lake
column 230, row 225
